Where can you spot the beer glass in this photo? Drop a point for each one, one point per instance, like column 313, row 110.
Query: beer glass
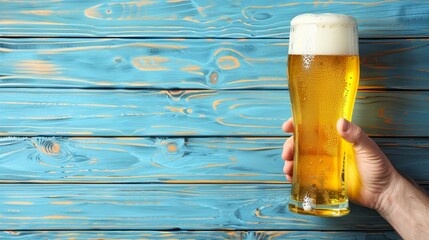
column 323, row 69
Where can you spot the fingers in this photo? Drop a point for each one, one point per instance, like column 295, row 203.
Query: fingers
column 288, row 126
column 287, row 153
column 288, row 170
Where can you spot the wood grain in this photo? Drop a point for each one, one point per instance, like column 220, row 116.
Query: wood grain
column 192, row 63
column 240, row 235
column 203, row 18
column 161, row 119
column 170, row 160
column 63, row 112
column 165, row 207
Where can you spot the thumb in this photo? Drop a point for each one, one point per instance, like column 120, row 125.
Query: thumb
column 353, row 134
column 363, row 147
column 368, row 169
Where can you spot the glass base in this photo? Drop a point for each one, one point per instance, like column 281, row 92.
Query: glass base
column 332, row 210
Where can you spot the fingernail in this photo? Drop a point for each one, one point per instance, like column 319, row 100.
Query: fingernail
column 346, row 125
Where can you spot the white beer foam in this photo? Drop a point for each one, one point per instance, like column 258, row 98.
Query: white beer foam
column 323, row 34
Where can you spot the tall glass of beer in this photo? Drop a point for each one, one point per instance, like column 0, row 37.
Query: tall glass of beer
column 323, row 69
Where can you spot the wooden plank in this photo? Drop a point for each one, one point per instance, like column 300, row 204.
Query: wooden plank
column 192, row 63
column 149, row 63
column 240, row 235
column 394, row 64
column 165, row 207
column 170, row 160
column 202, row 18
column 63, row 112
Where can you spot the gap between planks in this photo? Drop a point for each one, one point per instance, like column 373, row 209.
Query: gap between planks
column 172, row 182
column 197, row 38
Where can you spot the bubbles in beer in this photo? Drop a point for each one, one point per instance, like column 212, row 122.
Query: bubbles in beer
column 307, row 59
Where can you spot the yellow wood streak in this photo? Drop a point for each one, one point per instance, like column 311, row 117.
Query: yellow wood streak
column 19, row 203
column 36, row 67
column 217, row 102
column 259, row 79
column 228, row 63
column 138, row 84
column 156, row 165
column 200, row 95
column 221, row 121
column 176, row 109
column 14, row 22
column 105, row 149
column 57, row 78
column 284, row 44
column 215, row 165
column 174, row 95
column 217, row 52
column 133, row 45
column 151, row 63
column 191, row 68
column 38, row 12
column 20, row 218
column 63, row 217
column 14, row 233
column 62, row 203
column 186, row 133
column 242, row 174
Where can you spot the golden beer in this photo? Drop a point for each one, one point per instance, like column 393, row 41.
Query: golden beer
column 323, row 68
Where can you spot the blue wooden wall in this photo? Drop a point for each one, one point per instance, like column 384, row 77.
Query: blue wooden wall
column 161, row 118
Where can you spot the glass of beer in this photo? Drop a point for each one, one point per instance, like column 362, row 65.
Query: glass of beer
column 323, row 69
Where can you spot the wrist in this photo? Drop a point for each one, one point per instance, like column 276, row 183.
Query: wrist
column 405, row 207
column 387, row 199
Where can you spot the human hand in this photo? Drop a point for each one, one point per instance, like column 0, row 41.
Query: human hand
column 369, row 176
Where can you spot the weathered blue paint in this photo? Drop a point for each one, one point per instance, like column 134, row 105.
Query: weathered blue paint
column 64, row 112
column 192, row 63
column 170, row 160
column 203, row 18
column 165, row 207
column 203, row 235
column 93, row 197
